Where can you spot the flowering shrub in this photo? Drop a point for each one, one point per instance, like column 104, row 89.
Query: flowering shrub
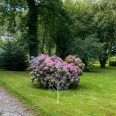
column 53, row 72
column 71, row 60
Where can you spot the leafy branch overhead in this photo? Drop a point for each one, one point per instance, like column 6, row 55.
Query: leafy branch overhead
column 36, row 11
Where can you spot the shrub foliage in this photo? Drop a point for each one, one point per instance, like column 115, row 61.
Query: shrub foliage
column 53, row 71
column 112, row 63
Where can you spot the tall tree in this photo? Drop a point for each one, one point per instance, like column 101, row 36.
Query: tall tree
column 46, row 42
column 98, row 18
column 35, row 9
column 85, row 44
column 80, row 10
column 105, row 22
column 61, row 33
column 59, row 29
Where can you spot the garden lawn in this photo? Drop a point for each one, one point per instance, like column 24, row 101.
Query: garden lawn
column 94, row 96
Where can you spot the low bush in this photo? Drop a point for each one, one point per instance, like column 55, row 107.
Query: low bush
column 54, row 72
column 112, row 63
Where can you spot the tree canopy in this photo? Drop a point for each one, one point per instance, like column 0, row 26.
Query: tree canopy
column 36, row 11
column 85, row 28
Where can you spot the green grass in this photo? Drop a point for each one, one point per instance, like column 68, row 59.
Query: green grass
column 95, row 95
column 113, row 58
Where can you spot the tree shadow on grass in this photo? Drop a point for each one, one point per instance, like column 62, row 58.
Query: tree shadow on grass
column 78, row 87
column 100, row 70
column 34, row 85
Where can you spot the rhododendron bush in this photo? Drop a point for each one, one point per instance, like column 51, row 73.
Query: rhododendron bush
column 54, row 72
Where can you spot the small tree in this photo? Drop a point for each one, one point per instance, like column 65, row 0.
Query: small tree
column 57, row 88
column 12, row 56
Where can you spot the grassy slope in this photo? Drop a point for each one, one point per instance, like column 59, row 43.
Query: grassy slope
column 95, row 95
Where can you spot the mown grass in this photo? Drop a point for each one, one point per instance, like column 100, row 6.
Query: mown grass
column 95, row 95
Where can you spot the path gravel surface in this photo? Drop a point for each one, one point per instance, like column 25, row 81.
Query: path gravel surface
column 10, row 106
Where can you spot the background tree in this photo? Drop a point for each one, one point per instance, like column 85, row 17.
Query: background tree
column 85, row 43
column 12, row 56
column 59, row 30
column 34, row 10
column 0, row 34
column 61, row 34
column 46, row 44
column 87, row 50
column 98, row 18
column 105, row 23
column 80, row 11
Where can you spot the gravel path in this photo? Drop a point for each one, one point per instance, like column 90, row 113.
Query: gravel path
column 10, row 106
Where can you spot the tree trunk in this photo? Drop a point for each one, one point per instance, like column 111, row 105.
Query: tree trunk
column 32, row 28
column 85, row 62
column 58, row 93
column 57, row 96
column 49, row 49
column 103, row 61
column 102, row 64
column 58, row 49
column 62, row 48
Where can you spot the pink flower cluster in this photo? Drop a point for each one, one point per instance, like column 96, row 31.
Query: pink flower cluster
column 50, row 71
column 76, row 62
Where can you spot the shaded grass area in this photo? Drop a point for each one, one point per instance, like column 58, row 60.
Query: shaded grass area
column 94, row 96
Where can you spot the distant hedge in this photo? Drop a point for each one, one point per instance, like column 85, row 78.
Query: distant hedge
column 112, row 63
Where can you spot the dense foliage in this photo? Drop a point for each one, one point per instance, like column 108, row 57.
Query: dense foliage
column 62, row 28
column 87, row 50
column 94, row 18
column 112, row 63
column 54, row 72
column 12, row 57
column 36, row 12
